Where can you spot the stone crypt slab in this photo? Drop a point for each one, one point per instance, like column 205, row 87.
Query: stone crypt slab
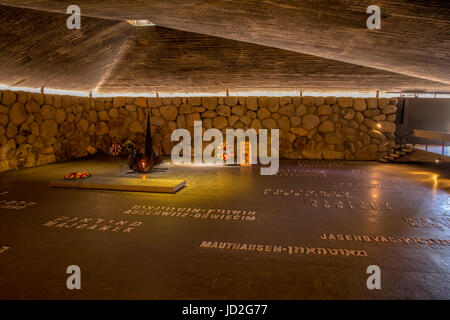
column 122, row 184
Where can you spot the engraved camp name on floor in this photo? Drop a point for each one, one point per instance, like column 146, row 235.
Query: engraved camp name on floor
column 96, row 224
column 347, row 204
column 320, row 164
column 327, row 199
column 195, row 213
column 353, row 185
column 432, row 222
column 384, row 239
column 307, row 193
column 4, row 249
column 361, row 171
column 290, row 250
column 373, row 175
column 296, row 172
column 15, row 204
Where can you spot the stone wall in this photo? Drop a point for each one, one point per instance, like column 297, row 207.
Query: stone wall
column 38, row 129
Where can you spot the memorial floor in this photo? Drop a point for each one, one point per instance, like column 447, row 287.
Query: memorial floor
column 309, row 232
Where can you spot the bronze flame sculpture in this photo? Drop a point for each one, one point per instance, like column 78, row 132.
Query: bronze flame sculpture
column 144, row 163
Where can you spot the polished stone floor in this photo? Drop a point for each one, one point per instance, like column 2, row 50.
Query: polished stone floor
column 309, row 232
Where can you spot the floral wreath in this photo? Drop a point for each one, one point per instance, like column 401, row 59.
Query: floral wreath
column 77, row 175
column 115, row 149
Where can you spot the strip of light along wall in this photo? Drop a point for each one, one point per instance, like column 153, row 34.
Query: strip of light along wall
column 224, row 94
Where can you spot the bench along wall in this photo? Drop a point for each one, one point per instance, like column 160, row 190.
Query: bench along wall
column 37, row 129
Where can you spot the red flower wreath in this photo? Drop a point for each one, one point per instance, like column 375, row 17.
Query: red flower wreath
column 77, row 175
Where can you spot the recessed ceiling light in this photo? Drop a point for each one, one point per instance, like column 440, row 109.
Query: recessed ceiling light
column 141, row 23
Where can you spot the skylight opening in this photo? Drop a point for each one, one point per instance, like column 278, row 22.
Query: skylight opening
column 141, row 23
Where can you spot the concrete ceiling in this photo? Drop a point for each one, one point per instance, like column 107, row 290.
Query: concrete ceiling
column 167, row 60
column 37, row 49
column 308, row 45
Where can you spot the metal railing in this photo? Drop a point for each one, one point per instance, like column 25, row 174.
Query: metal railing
column 442, row 137
column 427, row 136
